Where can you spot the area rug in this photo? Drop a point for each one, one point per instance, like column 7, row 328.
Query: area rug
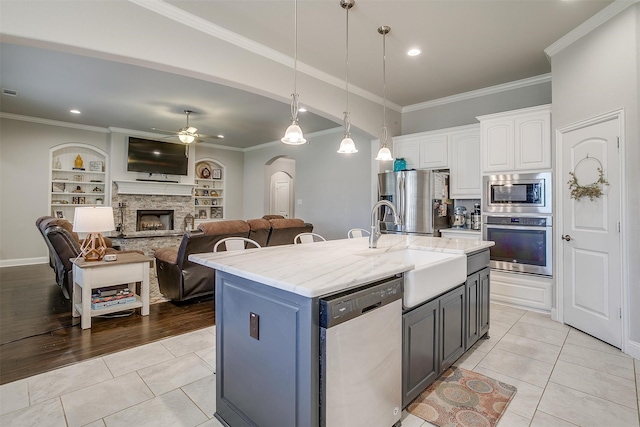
column 461, row 398
column 155, row 296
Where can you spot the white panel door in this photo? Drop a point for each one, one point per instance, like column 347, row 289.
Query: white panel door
column 592, row 281
column 281, row 198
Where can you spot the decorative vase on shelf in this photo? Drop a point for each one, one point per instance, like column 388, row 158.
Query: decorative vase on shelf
column 78, row 163
column 399, row 164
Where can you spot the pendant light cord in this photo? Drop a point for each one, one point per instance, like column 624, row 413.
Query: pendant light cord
column 347, row 121
column 384, row 87
column 294, row 95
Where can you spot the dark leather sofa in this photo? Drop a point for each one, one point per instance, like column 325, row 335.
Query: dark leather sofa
column 179, row 279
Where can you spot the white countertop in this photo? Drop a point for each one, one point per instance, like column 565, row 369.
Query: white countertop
column 461, row 230
column 322, row 268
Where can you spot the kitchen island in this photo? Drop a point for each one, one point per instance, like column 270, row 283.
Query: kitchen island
column 267, row 319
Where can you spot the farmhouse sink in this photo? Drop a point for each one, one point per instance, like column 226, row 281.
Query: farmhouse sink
column 433, row 274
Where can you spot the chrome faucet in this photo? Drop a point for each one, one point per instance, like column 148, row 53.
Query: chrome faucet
column 375, row 221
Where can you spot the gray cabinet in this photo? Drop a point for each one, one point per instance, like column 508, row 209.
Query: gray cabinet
column 266, row 340
column 433, row 338
column 477, row 289
column 452, row 326
column 420, row 340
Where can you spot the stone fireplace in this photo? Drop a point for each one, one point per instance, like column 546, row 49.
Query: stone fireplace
column 154, row 219
column 163, row 216
column 128, row 209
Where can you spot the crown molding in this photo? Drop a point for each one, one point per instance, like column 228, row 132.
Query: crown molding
column 543, row 78
column 176, row 14
column 588, row 26
column 308, row 136
column 41, row 121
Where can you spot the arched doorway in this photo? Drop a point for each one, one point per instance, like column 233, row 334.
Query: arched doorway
column 279, row 186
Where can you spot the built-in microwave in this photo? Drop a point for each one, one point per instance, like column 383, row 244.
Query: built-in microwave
column 517, row 193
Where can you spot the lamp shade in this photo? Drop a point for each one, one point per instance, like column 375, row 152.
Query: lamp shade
column 384, row 154
column 347, row 146
column 293, row 135
column 93, row 219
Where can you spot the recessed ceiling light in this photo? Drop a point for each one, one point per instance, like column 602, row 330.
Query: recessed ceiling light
column 413, row 52
column 74, row 111
column 221, row 136
column 302, row 110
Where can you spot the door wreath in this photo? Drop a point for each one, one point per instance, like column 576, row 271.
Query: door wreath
column 592, row 191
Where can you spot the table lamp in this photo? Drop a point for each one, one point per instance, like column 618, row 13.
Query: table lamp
column 93, row 220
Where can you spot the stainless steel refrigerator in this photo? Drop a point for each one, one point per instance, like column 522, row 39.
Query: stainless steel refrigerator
column 421, row 198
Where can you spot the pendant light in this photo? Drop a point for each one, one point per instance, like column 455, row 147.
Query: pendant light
column 347, row 146
column 384, row 154
column 293, row 134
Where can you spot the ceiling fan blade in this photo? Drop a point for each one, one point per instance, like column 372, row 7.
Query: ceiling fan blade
column 165, row 130
column 202, row 135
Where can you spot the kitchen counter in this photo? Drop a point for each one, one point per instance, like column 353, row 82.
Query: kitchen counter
column 322, row 268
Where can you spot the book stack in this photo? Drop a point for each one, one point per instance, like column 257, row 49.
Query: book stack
column 107, row 297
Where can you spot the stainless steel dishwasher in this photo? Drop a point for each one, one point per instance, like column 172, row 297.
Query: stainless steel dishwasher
column 361, row 356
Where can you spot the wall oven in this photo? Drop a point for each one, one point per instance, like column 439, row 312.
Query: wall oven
column 518, row 193
column 522, row 243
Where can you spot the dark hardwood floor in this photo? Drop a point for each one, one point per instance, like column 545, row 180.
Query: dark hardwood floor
column 38, row 333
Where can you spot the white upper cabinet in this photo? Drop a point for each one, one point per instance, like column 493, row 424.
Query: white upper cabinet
column 465, row 177
column 434, row 152
column 427, row 150
column 516, row 140
column 407, row 149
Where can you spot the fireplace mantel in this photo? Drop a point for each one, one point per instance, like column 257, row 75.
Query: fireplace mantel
column 153, row 188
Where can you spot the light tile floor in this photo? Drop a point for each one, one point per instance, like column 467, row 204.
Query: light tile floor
column 564, row 378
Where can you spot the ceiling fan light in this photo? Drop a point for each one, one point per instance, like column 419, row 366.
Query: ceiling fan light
column 293, row 135
column 384, row 154
column 186, row 137
column 347, row 146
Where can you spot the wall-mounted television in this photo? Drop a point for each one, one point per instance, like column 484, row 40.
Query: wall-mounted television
column 148, row 156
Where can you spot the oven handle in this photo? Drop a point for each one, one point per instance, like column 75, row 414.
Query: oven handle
column 518, row 227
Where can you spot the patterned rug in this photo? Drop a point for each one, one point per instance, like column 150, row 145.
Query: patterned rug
column 461, row 398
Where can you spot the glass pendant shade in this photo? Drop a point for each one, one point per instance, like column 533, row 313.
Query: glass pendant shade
column 384, row 154
column 293, row 135
column 347, row 146
column 186, row 138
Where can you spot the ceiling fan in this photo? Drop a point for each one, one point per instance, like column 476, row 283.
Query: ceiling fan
column 189, row 134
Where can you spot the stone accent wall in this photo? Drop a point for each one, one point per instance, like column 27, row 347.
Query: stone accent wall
column 147, row 244
column 181, row 205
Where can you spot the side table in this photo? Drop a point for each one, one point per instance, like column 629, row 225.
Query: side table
column 127, row 269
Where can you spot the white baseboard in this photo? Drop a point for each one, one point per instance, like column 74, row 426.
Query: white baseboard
column 23, row 261
column 633, row 349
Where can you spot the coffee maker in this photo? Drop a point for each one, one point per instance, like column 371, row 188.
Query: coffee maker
column 476, row 221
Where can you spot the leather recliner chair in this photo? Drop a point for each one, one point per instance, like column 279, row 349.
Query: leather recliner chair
column 180, row 279
column 63, row 244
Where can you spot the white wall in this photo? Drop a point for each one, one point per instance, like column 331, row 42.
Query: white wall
column 24, row 183
column 333, row 188
column 597, row 74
